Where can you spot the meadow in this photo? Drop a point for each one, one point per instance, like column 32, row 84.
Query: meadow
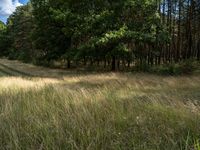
column 55, row 109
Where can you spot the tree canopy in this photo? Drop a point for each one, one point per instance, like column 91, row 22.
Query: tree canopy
column 115, row 34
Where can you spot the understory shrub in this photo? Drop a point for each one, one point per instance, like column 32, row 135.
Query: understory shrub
column 184, row 67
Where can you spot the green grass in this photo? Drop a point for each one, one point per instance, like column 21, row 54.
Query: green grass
column 111, row 111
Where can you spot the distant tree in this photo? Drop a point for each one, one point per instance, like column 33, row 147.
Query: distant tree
column 19, row 29
column 4, row 44
column 48, row 37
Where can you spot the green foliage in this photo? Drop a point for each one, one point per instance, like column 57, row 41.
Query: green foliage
column 115, row 33
column 3, row 39
column 185, row 67
column 2, row 26
column 77, row 30
column 19, row 28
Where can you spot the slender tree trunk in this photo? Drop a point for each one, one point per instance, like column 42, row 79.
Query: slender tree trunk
column 113, row 63
column 68, row 64
column 118, row 64
column 105, row 63
column 178, row 57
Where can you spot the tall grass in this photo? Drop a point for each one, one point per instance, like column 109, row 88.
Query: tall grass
column 106, row 111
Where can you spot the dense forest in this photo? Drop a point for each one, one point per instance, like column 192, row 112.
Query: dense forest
column 114, row 34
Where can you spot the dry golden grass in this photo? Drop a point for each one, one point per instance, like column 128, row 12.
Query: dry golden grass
column 57, row 109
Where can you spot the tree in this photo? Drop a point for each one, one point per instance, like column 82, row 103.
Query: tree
column 19, row 28
column 114, row 34
column 4, row 44
column 48, row 38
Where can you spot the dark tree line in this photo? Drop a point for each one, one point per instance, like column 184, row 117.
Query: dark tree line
column 113, row 34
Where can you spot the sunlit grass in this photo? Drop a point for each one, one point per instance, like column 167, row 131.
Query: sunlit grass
column 99, row 111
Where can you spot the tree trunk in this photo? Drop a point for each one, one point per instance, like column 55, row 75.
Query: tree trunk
column 68, row 64
column 113, row 63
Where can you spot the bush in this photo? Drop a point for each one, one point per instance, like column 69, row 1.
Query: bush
column 189, row 66
column 24, row 57
column 184, row 67
column 144, row 67
column 12, row 54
